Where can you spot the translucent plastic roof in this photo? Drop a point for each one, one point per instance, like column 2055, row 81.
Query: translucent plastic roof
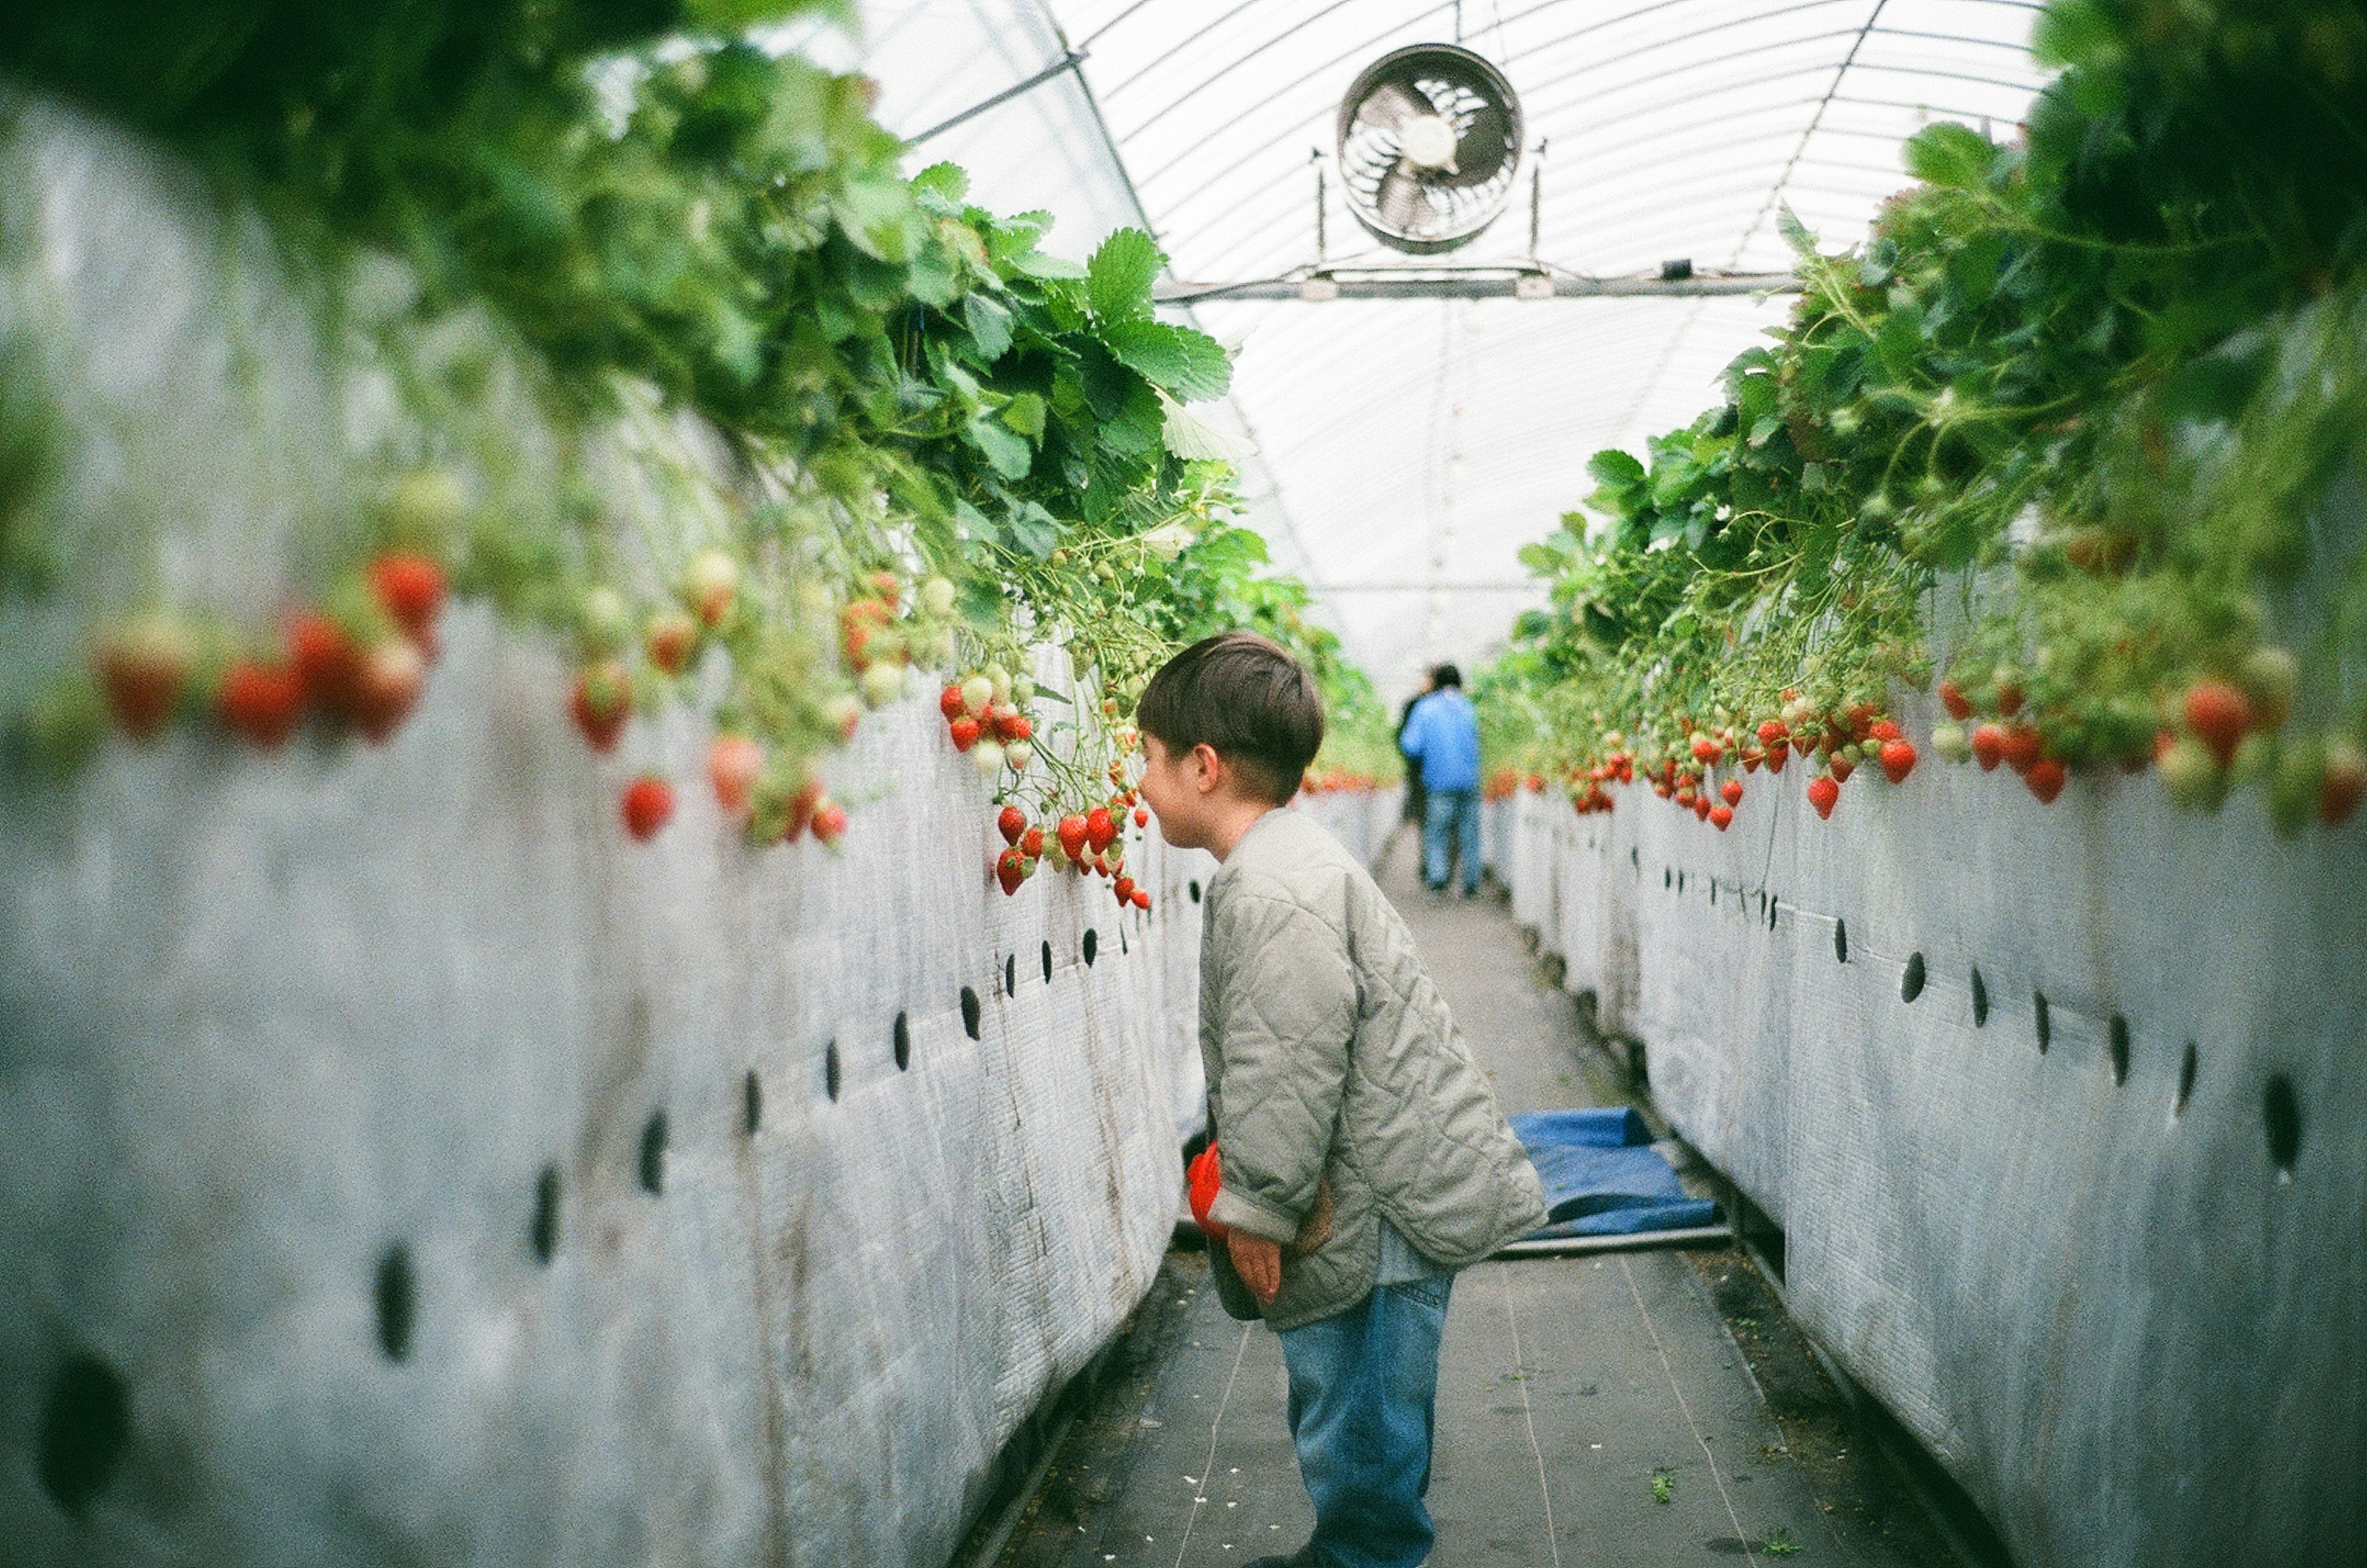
column 1406, row 449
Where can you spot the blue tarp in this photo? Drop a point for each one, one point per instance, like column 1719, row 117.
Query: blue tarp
column 1602, row 1177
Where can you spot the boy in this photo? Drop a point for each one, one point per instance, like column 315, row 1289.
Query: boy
column 1332, row 1064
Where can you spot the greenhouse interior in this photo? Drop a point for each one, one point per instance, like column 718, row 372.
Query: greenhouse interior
column 1025, row 783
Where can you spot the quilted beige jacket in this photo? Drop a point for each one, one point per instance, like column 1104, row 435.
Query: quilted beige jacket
column 1331, row 1056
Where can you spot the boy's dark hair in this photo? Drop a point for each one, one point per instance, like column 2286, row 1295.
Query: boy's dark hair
column 1446, row 675
column 1246, row 698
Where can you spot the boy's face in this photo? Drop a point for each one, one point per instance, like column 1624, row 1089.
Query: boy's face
column 1175, row 786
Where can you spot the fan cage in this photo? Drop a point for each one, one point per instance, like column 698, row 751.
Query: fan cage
column 1462, row 86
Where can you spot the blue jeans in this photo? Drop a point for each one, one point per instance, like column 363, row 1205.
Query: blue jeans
column 1452, row 814
column 1364, row 1387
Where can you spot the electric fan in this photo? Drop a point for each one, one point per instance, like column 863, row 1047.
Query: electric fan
column 1430, row 142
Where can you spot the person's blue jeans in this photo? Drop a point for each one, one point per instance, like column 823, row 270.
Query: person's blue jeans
column 1452, row 816
column 1364, row 1390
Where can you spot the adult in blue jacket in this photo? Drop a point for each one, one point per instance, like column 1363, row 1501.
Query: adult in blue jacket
column 1442, row 736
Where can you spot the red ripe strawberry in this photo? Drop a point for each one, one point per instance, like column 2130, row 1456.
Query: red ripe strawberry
column 668, row 639
column 2044, row 778
column 1898, row 758
column 732, row 763
column 1953, row 701
column 1685, row 799
column 964, row 731
column 1010, row 822
column 1661, row 789
column 2009, row 699
column 950, row 703
column 1101, row 828
column 600, row 704
column 1073, row 831
column 1751, row 759
column 392, row 676
column 1706, row 750
column 1702, row 808
column 829, row 823
column 1824, row 790
column 2022, row 748
column 709, row 586
column 1124, row 887
column 1011, row 870
column 1860, row 717
column 2344, row 782
column 801, row 809
column 260, row 702
column 1841, row 768
column 141, row 671
column 1142, row 817
column 1031, row 843
column 1777, row 755
column 1771, row 731
column 1883, row 729
column 2219, row 714
column 1732, row 792
column 326, row 662
column 1018, row 727
column 1988, row 746
column 1141, row 899
column 409, row 587
column 1721, row 818
column 647, row 805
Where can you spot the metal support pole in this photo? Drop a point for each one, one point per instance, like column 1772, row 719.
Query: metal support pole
column 1316, row 159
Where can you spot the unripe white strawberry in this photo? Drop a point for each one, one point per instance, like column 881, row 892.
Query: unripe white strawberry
column 987, row 757
column 883, row 684
column 1950, row 741
column 710, row 584
column 843, row 713
column 1019, row 753
column 937, row 596
column 978, row 695
column 1000, row 678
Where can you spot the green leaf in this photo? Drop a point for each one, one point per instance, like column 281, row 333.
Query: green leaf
column 1034, row 531
column 990, row 324
column 1795, row 234
column 948, row 180
column 1042, row 263
column 878, row 216
column 1007, row 453
column 1613, row 468
column 1950, row 155
column 1024, row 413
column 1189, row 363
column 1120, row 275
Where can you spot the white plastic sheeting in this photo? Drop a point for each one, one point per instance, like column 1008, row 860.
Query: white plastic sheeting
column 1409, row 448
column 2083, row 1265
column 400, row 1164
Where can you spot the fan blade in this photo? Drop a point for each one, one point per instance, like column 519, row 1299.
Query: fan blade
column 1388, row 107
column 1398, row 198
column 1481, row 146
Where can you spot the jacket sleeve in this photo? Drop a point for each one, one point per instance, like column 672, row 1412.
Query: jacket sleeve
column 1287, row 1016
column 1411, row 738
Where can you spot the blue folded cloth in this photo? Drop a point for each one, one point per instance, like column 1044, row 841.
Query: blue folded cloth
column 1602, row 1177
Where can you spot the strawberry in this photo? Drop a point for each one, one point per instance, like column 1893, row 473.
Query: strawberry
column 1771, row 731
column 647, row 805
column 1988, row 745
column 1142, row 817
column 326, row 662
column 1031, row 843
column 1751, row 759
column 1702, row 808
column 1706, row 750
column 392, row 675
column 802, row 808
column 260, row 702
column 1140, row 899
column 142, row 671
column 1840, row 767
column 1898, row 758
column 1861, row 719
column 1011, row 870
column 2022, row 748
column 1721, row 818
column 1073, row 832
column 2009, row 699
column 1824, row 790
column 1884, row 730
column 732, row 763
column 986, row 756
column 1953, row 701
column 1017, row 726
column 1948, row 739
column 2044, row 778
column 964, row 731
column 1101, row 828
column 2190, row 773
column 843, row 713
column 1018, row 755
column 2345, row 781
column 829, row 823
column 668, row 639
column 2269, row 677
column 1124, row 887
column 409, row 587
column 949, row 702
column 859, row 623
column 1777, row 755
column 1732, row 791
column 1010, row 823
column 1685, row 799
column 600, row 704
column 978, row 695
column 2219, row 714
column 709, row 586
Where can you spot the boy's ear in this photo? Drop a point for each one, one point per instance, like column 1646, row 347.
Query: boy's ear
column 1208, row 768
